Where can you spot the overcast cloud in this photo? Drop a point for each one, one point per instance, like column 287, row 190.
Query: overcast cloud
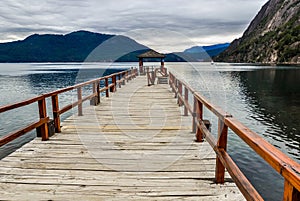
column 167, row 25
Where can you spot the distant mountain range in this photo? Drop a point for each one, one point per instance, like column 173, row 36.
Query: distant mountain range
column 212, row 50
column 73, row 47
column 273, row 36
column 82, row 46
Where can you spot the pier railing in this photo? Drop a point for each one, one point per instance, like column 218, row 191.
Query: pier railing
column 110, row 85
column 280, row 162
column 153, row 71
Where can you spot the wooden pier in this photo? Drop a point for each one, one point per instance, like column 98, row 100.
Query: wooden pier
column 136, row 144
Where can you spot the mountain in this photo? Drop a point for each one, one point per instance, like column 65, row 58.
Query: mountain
column 212, row 50
column 77, row 46
column 273, row 36
column 87, row 46
column 197, row 53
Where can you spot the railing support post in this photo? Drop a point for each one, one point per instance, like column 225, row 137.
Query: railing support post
column 290, row 192
column 98, row 92
column 111, row 89
column 114, row 81
column 130, row 74
column 106, row 85
column 186, row 99
column 43, row 114
column 176, row 87
column 133, row 72
column 94, row 101
column 124, row 78
column 148, row 76
column 179, row 101
column 199, row 117
column 221, row 144
column 194, row 124
column 56, row 115
column 119, row 78
column 172, row 82
column 79, row 97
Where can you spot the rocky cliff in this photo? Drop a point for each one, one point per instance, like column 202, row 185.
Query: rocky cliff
column 272, row 37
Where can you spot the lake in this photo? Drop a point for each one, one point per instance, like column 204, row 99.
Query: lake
column 264, row 98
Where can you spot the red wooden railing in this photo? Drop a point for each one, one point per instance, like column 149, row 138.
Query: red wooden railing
column 284, row 165
column 116, row 79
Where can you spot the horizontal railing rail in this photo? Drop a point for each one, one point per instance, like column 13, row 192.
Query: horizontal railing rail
column 288, row 168
column 110, row 85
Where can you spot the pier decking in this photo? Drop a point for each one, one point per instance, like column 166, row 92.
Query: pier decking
column 136, row 144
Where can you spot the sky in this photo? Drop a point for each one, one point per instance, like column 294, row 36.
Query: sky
column 165, row 25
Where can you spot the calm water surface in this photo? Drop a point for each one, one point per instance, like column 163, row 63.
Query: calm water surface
column 266, row 99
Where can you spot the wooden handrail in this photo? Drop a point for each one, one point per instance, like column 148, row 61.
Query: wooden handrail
column 56, row 110
column 15, row 134
column 280, row 162
column 284, row 165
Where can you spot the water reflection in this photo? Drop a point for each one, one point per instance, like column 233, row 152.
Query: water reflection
column 274, row 97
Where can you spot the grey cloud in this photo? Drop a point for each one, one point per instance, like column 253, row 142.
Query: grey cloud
column 194, row 18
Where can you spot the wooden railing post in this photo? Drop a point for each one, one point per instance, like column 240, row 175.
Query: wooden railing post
column 221, row 144
column 111, row 89
column 199, row 117
column 133, row 72
column 124, row 78
column 106, row 85
column 94, row 101
column 165, row 71
column 79, row 97
column 120, row 77
column 130, row 74
column 194, row 124
column 43, row 114
column 290, row 192
column 56, row 115
column 114, row 81
column 176, row 86
column 180, row 93
column 172, row 82
column 153, row 74
column 94, row 87
column 186, row 99
column 98, row 92
column 148, row 76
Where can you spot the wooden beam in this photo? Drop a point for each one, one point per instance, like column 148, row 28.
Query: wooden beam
column 43, row 115
column 222, row 144
column 79, row 98
column 290, row 193
column 14, row 135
